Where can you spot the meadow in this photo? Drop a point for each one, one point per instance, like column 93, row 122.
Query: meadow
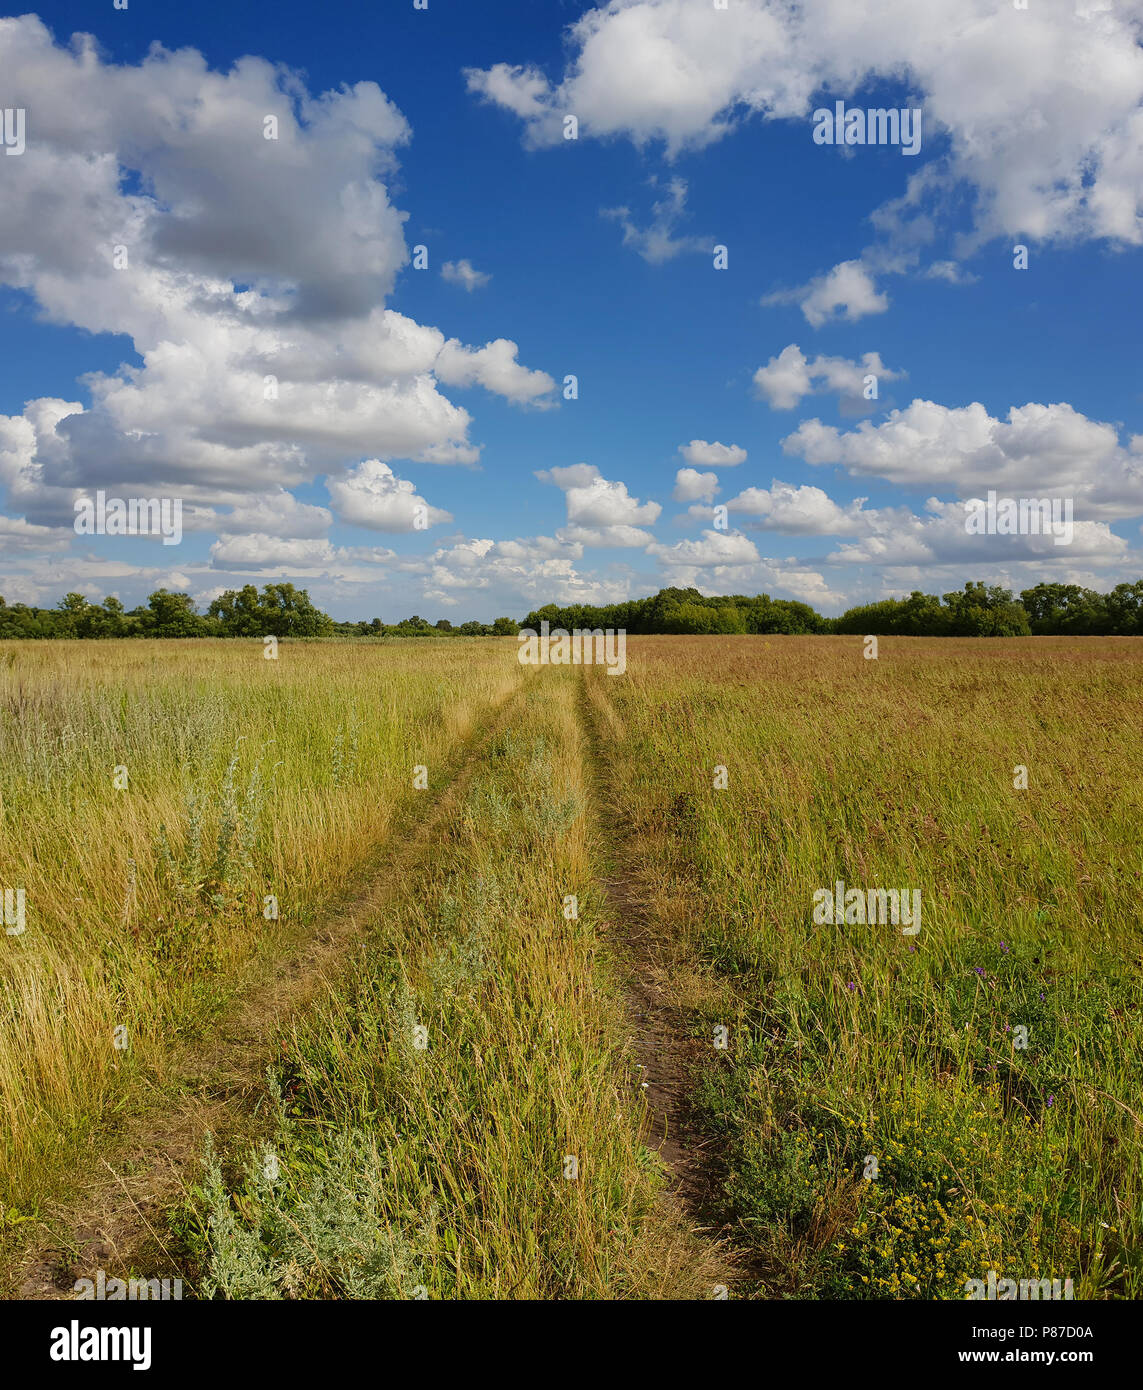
column 152, row 798
column 881, row 1131
column 571, row 1029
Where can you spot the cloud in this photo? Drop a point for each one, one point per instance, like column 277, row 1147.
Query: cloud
column 721, row 562
column 658, row 70
column 898, row 536
column 601, row 513
column 806, row 585
column 714, row 548
column 845, row 292
column 616, row 537
column 693, row 486
column 372, row 495
column 522, row 90
column 656, row 242
column 799, row 511
column 1038, row 450
column 273, row 514
column 17, row 535
column 524, row 572
column 901, row 538
column 494, row 367
column 543, row 569
column 463, row 273
column 951, row 272
column 702, row 454
column 270, row 552
column 1039, row 110
column 278, row 514
column 790, row 376
column 247, row 272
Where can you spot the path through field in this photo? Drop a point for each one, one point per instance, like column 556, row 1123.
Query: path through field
column 666, row 1047
column 578, row 1032
column 588, row 1058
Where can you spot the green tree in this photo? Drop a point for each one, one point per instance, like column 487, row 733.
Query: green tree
column 1124, row 609
column 689, row 618
column 289, row 612
column 239, row 612
column 280, row 611
column 985, row 611
column 1065, row 608
column 114, row 622
column 174, row 615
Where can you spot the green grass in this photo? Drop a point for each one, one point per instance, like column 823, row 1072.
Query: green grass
column 855, row 1041
column 873, row 1129
column 443, row 1171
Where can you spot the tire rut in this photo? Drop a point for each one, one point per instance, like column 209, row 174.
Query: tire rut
column 663, row 1046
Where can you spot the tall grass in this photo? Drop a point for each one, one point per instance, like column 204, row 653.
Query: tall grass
column 874, row 1128
column 851, row 1043
column 246, row 780
column 446, row 1170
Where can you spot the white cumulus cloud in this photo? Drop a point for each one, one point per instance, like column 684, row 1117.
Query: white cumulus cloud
column 372, row 495
column 693, row 486
column 1037, row 450
column 601, row 512
column 790, row 376
column 700, row 454
column 848, row 291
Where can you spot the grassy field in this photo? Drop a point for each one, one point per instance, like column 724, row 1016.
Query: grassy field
column 605, row 882
column 857, row 1050
column 497, row 1154
column 246, row 778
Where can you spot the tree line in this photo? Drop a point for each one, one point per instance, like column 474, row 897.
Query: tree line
column 281, row 610
column 977, row 610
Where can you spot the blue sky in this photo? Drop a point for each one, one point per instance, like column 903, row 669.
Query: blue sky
column 436, row 395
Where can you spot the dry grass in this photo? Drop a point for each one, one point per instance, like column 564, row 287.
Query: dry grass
column 400, row 1170
column 459, row 1151
column 246, row 778
column 857, row 1040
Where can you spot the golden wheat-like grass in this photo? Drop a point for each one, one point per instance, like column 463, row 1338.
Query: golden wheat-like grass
column 285, row 772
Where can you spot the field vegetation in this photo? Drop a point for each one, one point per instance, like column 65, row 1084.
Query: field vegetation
column 593, row 887
column 152, row 798
column 857, row 1050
